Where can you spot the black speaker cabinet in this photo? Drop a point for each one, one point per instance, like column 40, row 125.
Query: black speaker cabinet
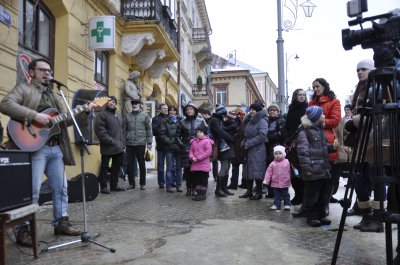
column 15, row 179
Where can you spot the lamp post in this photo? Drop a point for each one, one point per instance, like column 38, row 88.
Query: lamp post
column 296, row 57
column 309, row 94
column 308, row 8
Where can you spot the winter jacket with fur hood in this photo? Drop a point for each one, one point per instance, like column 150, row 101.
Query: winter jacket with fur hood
column 313, row 151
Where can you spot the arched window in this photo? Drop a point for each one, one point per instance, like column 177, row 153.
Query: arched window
column 36, row 28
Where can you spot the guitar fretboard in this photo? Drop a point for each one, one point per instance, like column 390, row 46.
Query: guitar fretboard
column 64, row 116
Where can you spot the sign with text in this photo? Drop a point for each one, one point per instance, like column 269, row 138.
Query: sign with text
column 102, row 33
column 5, row 16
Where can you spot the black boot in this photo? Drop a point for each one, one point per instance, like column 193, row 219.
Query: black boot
column 373, row 224
column 218, row 189
column 225, row 184
column 258, row 195
column 366, row 215
column 249, row 192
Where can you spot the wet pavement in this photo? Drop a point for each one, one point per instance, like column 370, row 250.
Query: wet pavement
column 153, row 227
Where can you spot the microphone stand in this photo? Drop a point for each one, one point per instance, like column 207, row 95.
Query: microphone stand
column 85, row 235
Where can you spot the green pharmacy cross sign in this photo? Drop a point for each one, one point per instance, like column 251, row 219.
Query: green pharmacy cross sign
column 99, row 32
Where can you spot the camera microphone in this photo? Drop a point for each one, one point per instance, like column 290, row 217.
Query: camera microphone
column 52, row 80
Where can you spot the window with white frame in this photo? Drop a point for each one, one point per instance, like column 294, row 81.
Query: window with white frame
column 220, row 96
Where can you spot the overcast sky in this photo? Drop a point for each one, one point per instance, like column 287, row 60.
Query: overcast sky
column 250, row 28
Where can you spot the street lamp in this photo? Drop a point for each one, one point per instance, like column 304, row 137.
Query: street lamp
column 296, row 57
column 308, row 8
column 309, row 94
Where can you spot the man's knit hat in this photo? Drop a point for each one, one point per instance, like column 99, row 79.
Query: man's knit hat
column 113, row 98
column 313, row 113
column 281, row 149
column 220, row 110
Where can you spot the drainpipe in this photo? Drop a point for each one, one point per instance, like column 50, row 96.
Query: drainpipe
column 179, row 51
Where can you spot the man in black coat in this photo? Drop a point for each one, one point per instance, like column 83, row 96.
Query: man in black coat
column 108, row 128
column 156, row 123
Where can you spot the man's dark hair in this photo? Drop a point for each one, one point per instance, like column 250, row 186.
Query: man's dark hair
column 32, row 64
column 161, row 105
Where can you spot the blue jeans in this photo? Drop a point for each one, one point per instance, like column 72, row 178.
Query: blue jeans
column 174, row 169
column 160, row 167
column 49, row 161
column 279, row 194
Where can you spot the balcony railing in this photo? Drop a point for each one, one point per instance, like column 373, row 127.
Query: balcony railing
column 143, row 10
column 200, row 34
column 204, row 91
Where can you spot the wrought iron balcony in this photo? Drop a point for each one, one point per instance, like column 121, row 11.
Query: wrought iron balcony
column 145, row 10
column 204, row 91
column 200, row 35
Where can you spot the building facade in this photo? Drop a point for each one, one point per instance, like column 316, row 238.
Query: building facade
column 146, row 40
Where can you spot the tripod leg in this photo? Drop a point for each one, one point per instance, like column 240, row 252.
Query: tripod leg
column 94, row 242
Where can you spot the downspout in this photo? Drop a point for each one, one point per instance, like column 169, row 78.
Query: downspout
column 179, row 51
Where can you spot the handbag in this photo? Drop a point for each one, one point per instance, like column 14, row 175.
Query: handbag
column 148, row 155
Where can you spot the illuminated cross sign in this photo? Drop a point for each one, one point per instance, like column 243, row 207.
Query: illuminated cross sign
column 100, row 31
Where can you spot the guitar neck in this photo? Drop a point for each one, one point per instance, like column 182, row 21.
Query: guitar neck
column 62, row 117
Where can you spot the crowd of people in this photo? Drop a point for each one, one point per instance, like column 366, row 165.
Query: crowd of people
column 189, row 147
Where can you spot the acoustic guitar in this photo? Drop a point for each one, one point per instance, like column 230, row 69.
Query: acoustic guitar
column 32, row 138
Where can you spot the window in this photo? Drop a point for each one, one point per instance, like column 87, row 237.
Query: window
column 36, row 28
column 101, row 69
column 221, row 96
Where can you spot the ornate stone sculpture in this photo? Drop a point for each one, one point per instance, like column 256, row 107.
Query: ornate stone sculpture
column 131, row 91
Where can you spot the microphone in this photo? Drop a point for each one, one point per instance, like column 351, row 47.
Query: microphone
column 52, row 80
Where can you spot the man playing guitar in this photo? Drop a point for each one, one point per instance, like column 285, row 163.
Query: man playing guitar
column 24, row 104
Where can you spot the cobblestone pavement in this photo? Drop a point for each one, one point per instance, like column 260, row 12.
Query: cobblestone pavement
column 153, row 227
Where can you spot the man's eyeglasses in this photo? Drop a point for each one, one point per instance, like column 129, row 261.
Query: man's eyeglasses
column 301, row 95
column 44, row 70
column 272, row 110
column 362, row 69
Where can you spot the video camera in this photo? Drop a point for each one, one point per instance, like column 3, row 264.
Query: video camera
column 386, row 30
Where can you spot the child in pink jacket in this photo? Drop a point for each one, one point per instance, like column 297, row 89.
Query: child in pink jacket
column 278, row 177
column 200, row 152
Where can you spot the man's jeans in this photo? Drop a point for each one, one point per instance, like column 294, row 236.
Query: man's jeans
column 49, row 161
column 160, row 168
column 174, row 169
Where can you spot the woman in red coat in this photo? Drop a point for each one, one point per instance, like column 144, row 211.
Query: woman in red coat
column 325, row 98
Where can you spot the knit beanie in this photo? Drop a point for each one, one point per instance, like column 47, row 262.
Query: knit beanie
column 257, row 107
column 220, row 110
column 313, row 113
column 366, row 64
column 281, row 149
column 232, row 114
column 274, row 106
column 113, row 98
column 202, row 128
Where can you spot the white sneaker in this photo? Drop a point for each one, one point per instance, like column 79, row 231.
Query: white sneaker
column 286, row 207
column 273, row 207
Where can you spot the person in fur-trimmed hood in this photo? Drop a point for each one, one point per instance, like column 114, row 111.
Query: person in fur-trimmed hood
column 313, row 149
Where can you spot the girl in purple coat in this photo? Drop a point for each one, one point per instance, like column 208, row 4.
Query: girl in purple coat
column 277, row 176
column 200, row 152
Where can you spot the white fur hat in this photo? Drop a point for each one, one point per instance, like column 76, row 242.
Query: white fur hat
column 281, row 149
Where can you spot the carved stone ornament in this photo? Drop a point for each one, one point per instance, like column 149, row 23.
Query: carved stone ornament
column 157, row 69
column 132, row 44
column 146, row 58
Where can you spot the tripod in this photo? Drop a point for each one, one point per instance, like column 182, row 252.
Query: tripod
column 380, row 119
column 85, row 236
